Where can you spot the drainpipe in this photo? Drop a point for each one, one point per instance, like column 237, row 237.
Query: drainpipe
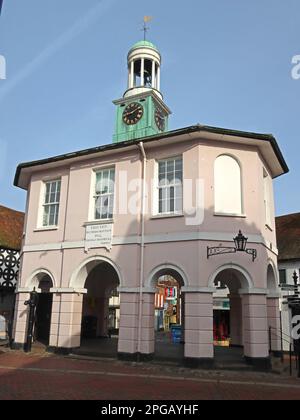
column 62, row 258
column 142, row 254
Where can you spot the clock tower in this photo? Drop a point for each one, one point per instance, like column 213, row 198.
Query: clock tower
column 141, row 112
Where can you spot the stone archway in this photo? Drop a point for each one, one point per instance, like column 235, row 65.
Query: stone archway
column 44, row 309
column 79, row 276
column 229, row 281
column 99, row 279
column 36, row 277
column 167, row 307
column 249, row 316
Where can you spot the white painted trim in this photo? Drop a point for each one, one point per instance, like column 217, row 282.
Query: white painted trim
column 42, row 195
column 188, row 289
column 155, row 203
column 274, row 295
column 165, row 267
column 235, row 267
column 136, row 290
column 99, row 222
column 253, row 291
column 32, row 280
column 46, row 229
column 91, row 211
column 241, row 216
column 276, row 274
column 86, row 262
column 152, row 239
column 167, row 216
column 27, row 290
column 72, row 245
column 68, row 290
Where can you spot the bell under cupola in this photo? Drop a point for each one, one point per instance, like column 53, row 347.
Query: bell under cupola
column 141, row 112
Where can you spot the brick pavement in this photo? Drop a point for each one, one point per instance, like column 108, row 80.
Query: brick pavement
column 47, row 377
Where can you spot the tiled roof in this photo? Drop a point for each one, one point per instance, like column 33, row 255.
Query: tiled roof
column 11, row 228
column 288, row 236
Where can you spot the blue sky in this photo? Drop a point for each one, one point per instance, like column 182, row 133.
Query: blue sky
column 225, row 63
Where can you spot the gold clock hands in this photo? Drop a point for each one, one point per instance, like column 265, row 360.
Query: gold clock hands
column 132, row 112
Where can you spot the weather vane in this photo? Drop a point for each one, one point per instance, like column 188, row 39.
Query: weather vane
column 146, row 28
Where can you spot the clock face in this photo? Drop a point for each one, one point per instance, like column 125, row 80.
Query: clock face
column 133, row 113
column 160, row 119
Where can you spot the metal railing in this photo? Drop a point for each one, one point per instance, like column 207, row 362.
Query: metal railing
column 294, row 348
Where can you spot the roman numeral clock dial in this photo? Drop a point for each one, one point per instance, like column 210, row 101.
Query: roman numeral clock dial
column 133, row 113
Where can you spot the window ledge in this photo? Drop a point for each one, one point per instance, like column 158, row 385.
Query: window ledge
column 46, row 228
column 166, row 216
column 242, row 216
column 98, row 222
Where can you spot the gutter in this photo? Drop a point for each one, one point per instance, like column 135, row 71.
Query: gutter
column 182, row 131
column 142, row 254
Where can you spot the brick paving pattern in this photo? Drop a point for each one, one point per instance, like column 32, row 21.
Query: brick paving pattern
column 47, row 377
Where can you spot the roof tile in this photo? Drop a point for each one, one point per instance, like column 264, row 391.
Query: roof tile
column 11, row 228
column 288, row 236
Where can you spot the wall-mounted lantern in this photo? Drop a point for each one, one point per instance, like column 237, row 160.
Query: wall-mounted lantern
column 240, row 242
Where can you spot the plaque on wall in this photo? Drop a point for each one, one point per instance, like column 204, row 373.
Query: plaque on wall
column 99, row 236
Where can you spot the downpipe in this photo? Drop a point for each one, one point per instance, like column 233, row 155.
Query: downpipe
column 142, row 253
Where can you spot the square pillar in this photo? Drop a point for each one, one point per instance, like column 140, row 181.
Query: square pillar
column 65, row 331
column 128, row 329
column 198, row 334
column 147, row 346
column 256, row 335
column 128, row 346
column 274, row 325
column 236, row 321
column 20, row 320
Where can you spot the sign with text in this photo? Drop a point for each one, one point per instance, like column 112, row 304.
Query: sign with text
column 99, row 236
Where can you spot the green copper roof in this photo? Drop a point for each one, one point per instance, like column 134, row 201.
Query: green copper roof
column 144, row 44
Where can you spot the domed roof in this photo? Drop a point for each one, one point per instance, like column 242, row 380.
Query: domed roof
column 142, row 44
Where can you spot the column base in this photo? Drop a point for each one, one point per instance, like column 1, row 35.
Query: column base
column 60, row 350
column 201, row 363
column 259, row 364
column 17, row 346
column 277, row 354
column 135, row 357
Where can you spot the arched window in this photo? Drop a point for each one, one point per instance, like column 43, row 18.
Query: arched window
column 228, row 186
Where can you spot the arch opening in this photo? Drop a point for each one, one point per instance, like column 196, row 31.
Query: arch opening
column 100, row 308
column 228, row 282
column 44, row 307
column 168, row 310
column 272, row 281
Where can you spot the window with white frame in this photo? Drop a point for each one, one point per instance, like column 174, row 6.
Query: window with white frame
column 228, row 186
column 170, row 176
column 51, row 203
column 104, row 194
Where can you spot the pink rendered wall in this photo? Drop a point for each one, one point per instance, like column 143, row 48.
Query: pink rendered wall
column 198, row 158
column 198, row 163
